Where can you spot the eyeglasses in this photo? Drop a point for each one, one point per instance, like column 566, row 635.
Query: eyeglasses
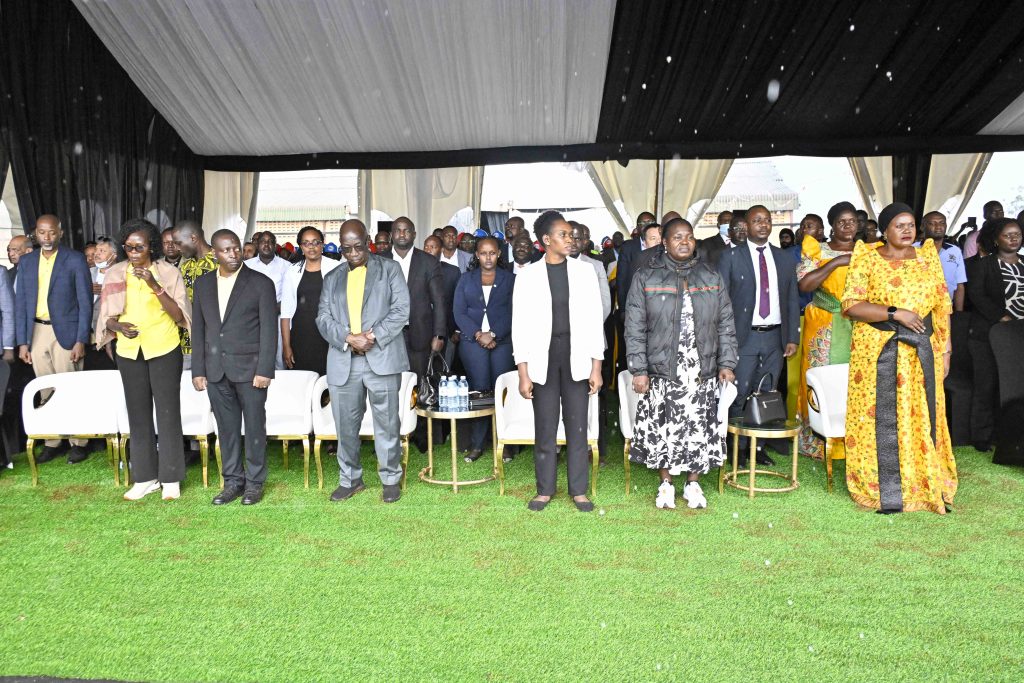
column 137, row 248
column 348, row 249
column 311, row 244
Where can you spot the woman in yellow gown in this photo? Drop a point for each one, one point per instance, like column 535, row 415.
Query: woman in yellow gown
column 898, row 453
column 826, row 332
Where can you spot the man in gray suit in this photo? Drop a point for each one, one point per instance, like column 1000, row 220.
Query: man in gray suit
column 364, row 306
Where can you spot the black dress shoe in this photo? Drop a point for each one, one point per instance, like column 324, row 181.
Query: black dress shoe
column 252, row 495
column 473, row 455
column 392, row 492
column 346, row 492
column 983, row 447
column 537, row 505
column 583, row 505
column 51, row 453
column 763, row 458
column 76, row 455
column 227, row 495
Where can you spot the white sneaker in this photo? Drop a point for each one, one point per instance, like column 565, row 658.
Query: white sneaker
column 172, row 491
column 694, row 496
column 666, row 499
column 140, row 489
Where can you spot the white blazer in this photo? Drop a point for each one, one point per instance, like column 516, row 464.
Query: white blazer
column 290, row 287
column 531, row 320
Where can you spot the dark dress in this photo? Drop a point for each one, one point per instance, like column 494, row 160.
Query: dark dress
column 309, row 347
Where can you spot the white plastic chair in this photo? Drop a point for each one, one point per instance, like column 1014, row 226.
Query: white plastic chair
column 513, row 419
column 288, row 414
column 627, row 414
column 325, row 429
column 826, row 406
column 196, row 423
column 83, row 405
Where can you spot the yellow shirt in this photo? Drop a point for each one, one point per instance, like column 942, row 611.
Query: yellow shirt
column 224, row 286
column 158, row 333
column 45, row 271
column 356, row 285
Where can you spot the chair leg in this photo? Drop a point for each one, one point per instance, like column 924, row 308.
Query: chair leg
column 319, row 471
column 204, row 458
column 114, row 461
column 405, row 459
column 284, row 452
column 30, row 445
column 124, row 459
column 305, row 462
column 828, row 465
column 625, row 463
column 595, row 468
column 500, row 458
column 305, row 454
column 220, row 464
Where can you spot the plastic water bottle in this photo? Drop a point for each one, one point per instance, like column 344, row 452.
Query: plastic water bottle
column 463, row 394
column 443, row 393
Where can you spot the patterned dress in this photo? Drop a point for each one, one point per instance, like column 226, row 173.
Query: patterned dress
column 918, row 468
column 191, row 269
column 676, row 424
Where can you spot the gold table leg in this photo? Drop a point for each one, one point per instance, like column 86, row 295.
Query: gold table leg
column 494, row 449
column 796, row 447
column 455, row 457
column 752, row 463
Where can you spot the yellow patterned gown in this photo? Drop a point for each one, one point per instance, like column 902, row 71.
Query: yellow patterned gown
column 919, row 473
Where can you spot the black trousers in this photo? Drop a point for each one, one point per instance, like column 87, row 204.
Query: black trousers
column 761, row 355
column 986, row 391
column 560, row 388
column 233, row 402
column 148, row 383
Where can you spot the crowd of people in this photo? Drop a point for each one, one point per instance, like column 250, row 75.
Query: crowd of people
column 682, row 315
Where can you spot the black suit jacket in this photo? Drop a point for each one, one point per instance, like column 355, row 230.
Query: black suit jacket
column 987, row 293
column 628, row 253
column 711, row 248
column 737, row 272
column 449, row 281
column 428, row 313
column 242, row 345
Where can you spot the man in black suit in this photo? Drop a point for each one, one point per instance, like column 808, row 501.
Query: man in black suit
column 449, row 280
column 711, row 248
column 629, row 253
column 428, row 318
column 234, row 349
column 765, row 300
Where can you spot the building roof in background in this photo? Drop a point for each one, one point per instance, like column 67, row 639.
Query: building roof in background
column 753, row 182
column 319, row 195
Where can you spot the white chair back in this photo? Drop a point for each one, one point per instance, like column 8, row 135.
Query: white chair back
column 86, row 402
column 627, row 403
column 826, row 397
column 196, row 413
column 513, row 414
column 323, row 416
column 288, row 400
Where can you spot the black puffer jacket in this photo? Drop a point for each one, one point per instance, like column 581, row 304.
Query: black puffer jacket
column 652, row 318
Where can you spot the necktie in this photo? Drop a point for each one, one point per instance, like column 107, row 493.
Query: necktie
column 764, row 306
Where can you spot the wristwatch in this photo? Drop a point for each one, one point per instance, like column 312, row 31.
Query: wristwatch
column 892, row 313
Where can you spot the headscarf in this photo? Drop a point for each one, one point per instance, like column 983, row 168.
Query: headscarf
column 837, row 209
column 890, row 212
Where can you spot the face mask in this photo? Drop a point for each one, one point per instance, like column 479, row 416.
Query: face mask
column 723, row 229
column 100, row 264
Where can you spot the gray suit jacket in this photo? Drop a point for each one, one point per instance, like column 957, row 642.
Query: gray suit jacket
column 385, row 311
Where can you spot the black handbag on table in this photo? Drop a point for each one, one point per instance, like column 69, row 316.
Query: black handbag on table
column 764, row 407
column 427, row 389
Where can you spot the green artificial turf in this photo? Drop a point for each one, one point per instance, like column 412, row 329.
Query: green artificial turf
column 799, row 586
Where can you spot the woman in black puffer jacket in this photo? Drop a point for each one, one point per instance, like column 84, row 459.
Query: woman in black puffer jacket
column 680, row 344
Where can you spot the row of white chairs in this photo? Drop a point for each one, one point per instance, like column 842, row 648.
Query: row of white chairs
column 91, row 404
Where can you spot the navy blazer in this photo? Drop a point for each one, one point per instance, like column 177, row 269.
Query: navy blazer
column 470, row 308
column 737, row 272
column 69, row 298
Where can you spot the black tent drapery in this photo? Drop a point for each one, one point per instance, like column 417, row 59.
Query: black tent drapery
column 83, row 142
column 910, row 179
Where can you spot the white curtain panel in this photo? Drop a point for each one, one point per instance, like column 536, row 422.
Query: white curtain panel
column 627, row 191
column 428, row 196
column 229, row 201
column 873, row 176
column 691, row 185
column 952, row 180
column 265, row 77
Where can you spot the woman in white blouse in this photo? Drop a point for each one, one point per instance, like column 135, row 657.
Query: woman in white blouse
column 302, row 347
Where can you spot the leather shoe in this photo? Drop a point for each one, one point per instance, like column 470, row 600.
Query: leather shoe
column 252, row 495
column 51, row 453
column 346, row 492
column 392, row 492
column 227, row 495
column 76, row 455
column 763, row 458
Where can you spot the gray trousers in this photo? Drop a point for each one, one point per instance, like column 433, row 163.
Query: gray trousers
column 761, row 355
column 348, row 402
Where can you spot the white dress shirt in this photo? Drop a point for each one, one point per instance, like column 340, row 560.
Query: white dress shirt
column 774, row 314
column 453, row 259
column 407, row 261
column 485, row 324
column 275, row 270
column 516, row 268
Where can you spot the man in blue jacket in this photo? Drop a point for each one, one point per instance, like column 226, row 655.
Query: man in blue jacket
column 53, row 314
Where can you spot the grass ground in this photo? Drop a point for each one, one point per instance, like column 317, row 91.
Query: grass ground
column 801, row 586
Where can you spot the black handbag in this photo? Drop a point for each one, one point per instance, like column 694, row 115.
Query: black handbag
column 764, row 406
column 427, row 389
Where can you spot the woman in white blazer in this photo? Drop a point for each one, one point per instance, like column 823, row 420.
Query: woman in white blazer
column 558, row 344
column 302, row 347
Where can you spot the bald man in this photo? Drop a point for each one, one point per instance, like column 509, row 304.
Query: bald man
column 53, row 315
column 16, row 248
column 364, row 308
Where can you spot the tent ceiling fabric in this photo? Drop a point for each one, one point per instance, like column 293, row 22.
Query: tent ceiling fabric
column 278, row 85
column 270, row 77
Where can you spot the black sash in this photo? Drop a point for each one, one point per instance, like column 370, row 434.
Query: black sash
column 886, row 438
